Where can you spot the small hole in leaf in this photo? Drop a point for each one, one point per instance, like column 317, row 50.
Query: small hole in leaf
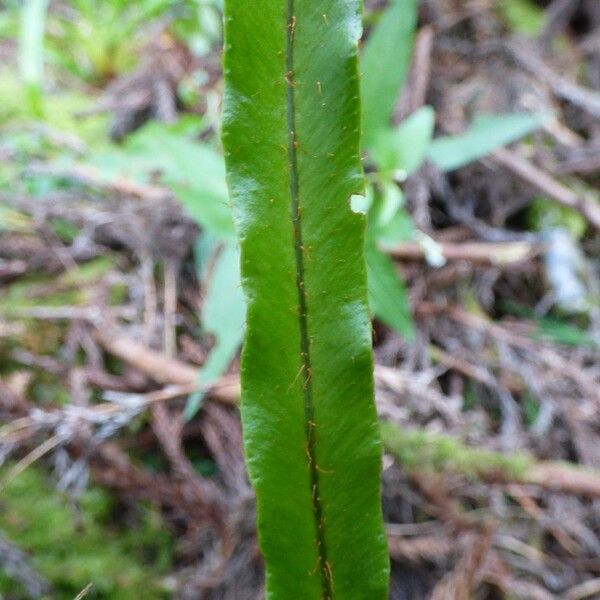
column 360, row 204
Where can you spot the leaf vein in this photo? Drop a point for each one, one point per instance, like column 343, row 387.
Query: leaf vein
column 296, row 214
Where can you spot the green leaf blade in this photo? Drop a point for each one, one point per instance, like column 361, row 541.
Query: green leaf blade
column 385, row 65
column 311, row 439
column 223, row 316
column 387, row 293
column 487, row 133
column 402, row 150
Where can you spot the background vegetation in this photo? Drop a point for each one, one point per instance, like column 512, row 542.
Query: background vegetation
column 121, row 314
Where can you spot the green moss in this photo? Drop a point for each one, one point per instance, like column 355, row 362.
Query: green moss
column 418, row 450
column 546, row 214
column 73, row 546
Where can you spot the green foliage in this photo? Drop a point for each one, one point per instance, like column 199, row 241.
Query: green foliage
column 13, row 220
column 487, row 133
column 60, row 110
column 552, row 328
column 199, row 24
column 8, row 19
column 385, row 63
column 96, row 40
column 223, row 316
column 291, row 135
column 424, row 452
column 531, row 408
column 195, row 172
column 33, row 20
column 399, row 152
column 73, row 546
column 560, row 332
column 387, row 293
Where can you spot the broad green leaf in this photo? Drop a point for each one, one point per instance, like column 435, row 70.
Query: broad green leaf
column 291, row 135
column 385, row 64
column 487, row 133
column 387, row 293
column 401, row 151
column 223, row 316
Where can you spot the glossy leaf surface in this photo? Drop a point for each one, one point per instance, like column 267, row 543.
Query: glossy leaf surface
column 291, row 134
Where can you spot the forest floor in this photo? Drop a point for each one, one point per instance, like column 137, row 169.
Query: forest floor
column 492, row 464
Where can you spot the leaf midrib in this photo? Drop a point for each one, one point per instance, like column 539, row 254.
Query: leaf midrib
column 310, row 425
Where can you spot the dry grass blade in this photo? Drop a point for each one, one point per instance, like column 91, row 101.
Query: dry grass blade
column 85, row 591
column 41, row 450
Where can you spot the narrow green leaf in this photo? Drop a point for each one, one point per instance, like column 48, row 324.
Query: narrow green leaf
column 487, row 133
column 564, row 333
column 224, row 312
column 392, row 199
column 387, row 293
column 223, row 316
column 291, row 135
column 385, row 64
column 31, row 50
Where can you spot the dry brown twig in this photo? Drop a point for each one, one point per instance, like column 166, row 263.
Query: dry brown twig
column 161, row 369
column 582, row 97
column 468, row 572
column 584, row 204
column 89, row 175
column 478, row 253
